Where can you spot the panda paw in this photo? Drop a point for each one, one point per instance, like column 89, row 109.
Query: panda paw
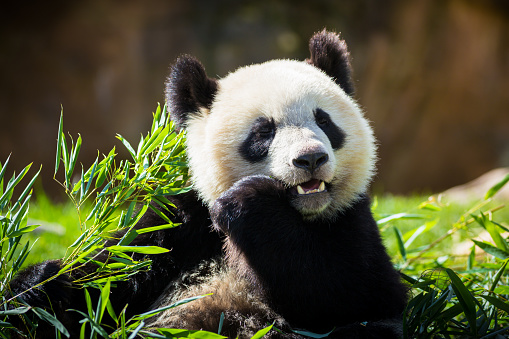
column 251, row 197
column 36, row 286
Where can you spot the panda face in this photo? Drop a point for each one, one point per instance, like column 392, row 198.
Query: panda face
column 287, row 120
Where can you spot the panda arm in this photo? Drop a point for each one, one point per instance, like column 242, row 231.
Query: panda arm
column 305, row 269
column 189, row 243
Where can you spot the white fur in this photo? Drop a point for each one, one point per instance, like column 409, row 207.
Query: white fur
column 287, row 91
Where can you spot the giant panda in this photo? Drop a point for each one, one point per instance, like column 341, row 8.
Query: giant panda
column 278, row 224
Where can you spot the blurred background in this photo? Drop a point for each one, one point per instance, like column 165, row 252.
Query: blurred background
column 432, row 76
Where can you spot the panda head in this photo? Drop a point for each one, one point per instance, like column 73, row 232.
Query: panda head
column 294, row 121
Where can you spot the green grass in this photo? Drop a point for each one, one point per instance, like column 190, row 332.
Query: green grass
column 59, row 228
column 449, row 214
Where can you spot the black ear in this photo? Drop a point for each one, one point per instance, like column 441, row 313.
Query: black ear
column 330, row 54
column 188, row 89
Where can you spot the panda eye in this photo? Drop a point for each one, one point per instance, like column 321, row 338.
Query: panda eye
column 322, row 119
column 334, row 133
column 264, row 128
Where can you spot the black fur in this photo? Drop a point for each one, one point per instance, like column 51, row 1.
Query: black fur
column 330, row 54
column 334, row 133
column 188, row 89
column 256, row 146
column 317, row 275
column 189, row 244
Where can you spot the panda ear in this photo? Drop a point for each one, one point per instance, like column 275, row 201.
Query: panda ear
column 330, row 54
column 188, row 89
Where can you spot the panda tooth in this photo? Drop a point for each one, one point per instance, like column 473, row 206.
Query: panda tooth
column 322, row 187
column 300, row 190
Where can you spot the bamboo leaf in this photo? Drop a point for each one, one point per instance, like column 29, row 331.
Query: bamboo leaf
column 155, row 228
column 400, row 216
column 59, row 140
column 44, row 315
column 401, row 244
column 493, row 190
column 127, row 146
column 161, row 309
column 313, row 335
column 498, row 276
column 496, row 236
column 22, row 231
column 501, row 305
column 465, row 298
column 104, row 300
column 471, row 258
column 2, row 172
column 494, row 251
column 137, row 249
column 261, row 333
column 197, row 334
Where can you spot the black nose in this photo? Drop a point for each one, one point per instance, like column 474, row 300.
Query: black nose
column 311, row 161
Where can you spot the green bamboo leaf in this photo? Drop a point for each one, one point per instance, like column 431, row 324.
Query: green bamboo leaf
column 498, row 276
column 22, row 231
column 495, row 235
column 2, row 172
column 429, row 206
column 59, row 141
column 159, row 213
column 75, row 150
column 198, row 334
column 128, row 237
column 138, row 328
column 471, row 258
column 501, row 305
column 111, row 311
column 411, row 235
column 221, row 322
column 494, row 251
column 19, row 216
column 493, row 190
column 156, row 119
column 65, row 158
column 12, row 184
column 93, row 324
column 400, row 216
column 137, row 249
column 502, row 289
column 21, row 257
column 156, row 228
column 261, row 333
column 127, row 146
column 16, row 311
column 465, row 298
column 162, row 309
column 44, row 315
column 103, row 301
column 156, row 140
column 313, row 335
column 90, row 177
column 81, row 256
column 401, row 244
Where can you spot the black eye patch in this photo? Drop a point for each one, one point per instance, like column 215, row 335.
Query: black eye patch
column 256, row 146
column 332, row 131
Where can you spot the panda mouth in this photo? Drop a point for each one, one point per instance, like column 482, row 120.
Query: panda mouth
column 312, row 186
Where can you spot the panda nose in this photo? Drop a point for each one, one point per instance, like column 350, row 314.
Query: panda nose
column 311, row 161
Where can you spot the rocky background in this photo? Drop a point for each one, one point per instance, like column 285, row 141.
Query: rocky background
column 433, row 76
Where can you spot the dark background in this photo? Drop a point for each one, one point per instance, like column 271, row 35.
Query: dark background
column 433, row 76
